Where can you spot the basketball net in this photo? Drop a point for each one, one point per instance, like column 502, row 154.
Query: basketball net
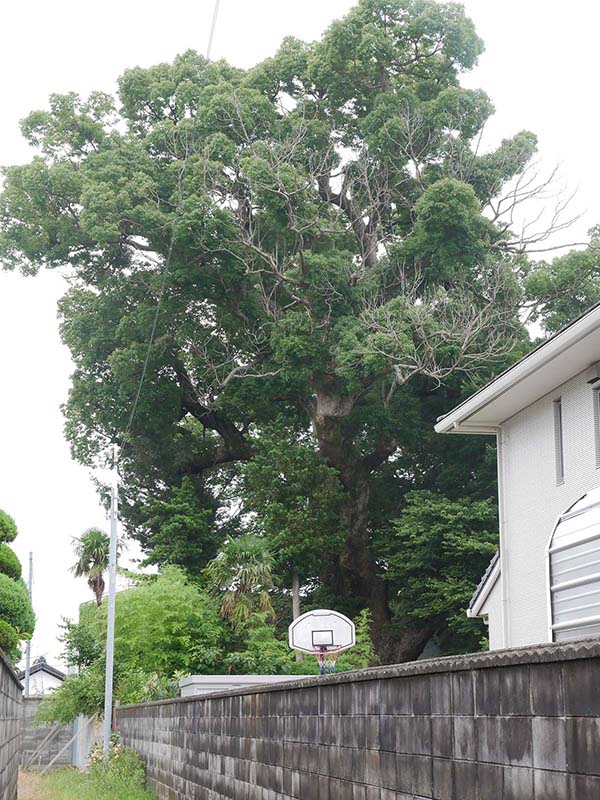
column 327, row 660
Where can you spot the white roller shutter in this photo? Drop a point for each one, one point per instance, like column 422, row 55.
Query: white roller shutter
column 574, row 569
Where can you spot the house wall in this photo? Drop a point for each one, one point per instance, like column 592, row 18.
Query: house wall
column 11, row 693
column 41, row 683
column 533, row 501
column 492, row 608
column 510, row 725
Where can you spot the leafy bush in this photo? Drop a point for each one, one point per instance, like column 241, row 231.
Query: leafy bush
column 9, row 638
column 362, row 655
column 122, row 778
column 9, row 563
column 263, row 652
column 15, row 606
column 122, row 773
column 79, row 694
column 8, row 527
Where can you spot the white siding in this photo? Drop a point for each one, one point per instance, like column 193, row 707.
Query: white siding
column 492, row 609
column 533, row 500
column 43, row 683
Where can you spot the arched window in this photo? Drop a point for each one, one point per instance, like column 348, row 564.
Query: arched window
column 574, row 571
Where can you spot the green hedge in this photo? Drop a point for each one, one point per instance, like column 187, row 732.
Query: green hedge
column 8, row 528
column 15, row 606
column 9, row 639
column 9, row 563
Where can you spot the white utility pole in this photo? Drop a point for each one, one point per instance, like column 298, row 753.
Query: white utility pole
column 112, row 590
column 28, row 645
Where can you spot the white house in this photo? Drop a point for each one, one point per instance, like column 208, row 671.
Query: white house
column 545, row 413
column 43, row 678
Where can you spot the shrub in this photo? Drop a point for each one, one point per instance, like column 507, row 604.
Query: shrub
column 15, row 606
column 123, row 772
column 8, row 527
column 9, row 563
column 9, row 638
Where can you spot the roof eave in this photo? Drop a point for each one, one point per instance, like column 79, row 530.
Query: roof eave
column 477, row 602
column 456, row 421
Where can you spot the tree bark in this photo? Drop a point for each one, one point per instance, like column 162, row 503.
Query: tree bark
column 296, row 605
column 295, row 595
column 357, row 574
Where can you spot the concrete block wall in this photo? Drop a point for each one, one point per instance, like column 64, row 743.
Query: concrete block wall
column 11, row 693
column 508, row 725
column 33, row 736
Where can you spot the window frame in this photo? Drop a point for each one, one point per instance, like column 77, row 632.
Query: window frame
column 559, row 445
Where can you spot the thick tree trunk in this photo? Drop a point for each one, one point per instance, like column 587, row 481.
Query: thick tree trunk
column 357, row 575
column 295, row 595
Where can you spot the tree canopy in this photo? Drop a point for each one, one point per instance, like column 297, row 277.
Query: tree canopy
column 336, row 255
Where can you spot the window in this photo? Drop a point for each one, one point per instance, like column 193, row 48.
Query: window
column 558, row 442
column 596, row 396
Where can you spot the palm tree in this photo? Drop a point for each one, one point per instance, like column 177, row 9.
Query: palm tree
column 92, row 551
column 242, row 574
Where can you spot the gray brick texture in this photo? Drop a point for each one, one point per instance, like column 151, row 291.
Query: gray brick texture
column 11, row 693
column 518, row 724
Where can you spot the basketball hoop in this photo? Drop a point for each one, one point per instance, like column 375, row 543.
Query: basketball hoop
column 324, row 634
column 327, row 660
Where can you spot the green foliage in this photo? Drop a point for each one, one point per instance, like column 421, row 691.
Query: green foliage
column 180, row 530
column 167, row 625
column 164, row 627
column 15, row 607
column 332, row 260
column 92, row 552
column 363, row 654
column 8, row 527
column 9, row 563
column 297, row 500
column 78, row 694
column 441, row 549
column 565, row 288
column 121, row 778
column 9, row 638
column 242, row 576
column 17, row 620
column 82, row 644
column 263, row 653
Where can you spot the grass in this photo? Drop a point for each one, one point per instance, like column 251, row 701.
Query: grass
column 68, row 784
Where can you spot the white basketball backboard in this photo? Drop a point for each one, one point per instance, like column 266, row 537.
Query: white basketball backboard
column 321, row 630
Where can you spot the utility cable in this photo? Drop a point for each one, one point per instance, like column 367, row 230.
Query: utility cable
column 167, row 267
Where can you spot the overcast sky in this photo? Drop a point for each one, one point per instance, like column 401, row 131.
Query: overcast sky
column 540, row 69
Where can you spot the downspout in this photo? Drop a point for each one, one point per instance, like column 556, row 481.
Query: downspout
column 506, row 638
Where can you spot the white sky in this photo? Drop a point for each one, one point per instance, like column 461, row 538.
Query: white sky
column 540, row 69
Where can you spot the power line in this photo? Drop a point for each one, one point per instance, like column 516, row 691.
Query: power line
column 167, row 267
column 110, row 628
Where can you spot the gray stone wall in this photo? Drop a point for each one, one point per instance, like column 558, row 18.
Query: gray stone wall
column 10, row 730
column 33, row 736
column 508, row 725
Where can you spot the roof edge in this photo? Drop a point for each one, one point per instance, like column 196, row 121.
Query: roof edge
column 486, row 584
column 541, row 355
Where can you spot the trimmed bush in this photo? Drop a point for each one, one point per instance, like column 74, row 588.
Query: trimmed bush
column 9, row 639
column 9, row 563
column 15, row 606
column 8, row 527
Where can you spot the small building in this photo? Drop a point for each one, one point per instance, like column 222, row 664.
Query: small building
column 43, row 678
column 544, row 584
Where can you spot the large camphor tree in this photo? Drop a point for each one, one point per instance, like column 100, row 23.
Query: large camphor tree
column 331, row 245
